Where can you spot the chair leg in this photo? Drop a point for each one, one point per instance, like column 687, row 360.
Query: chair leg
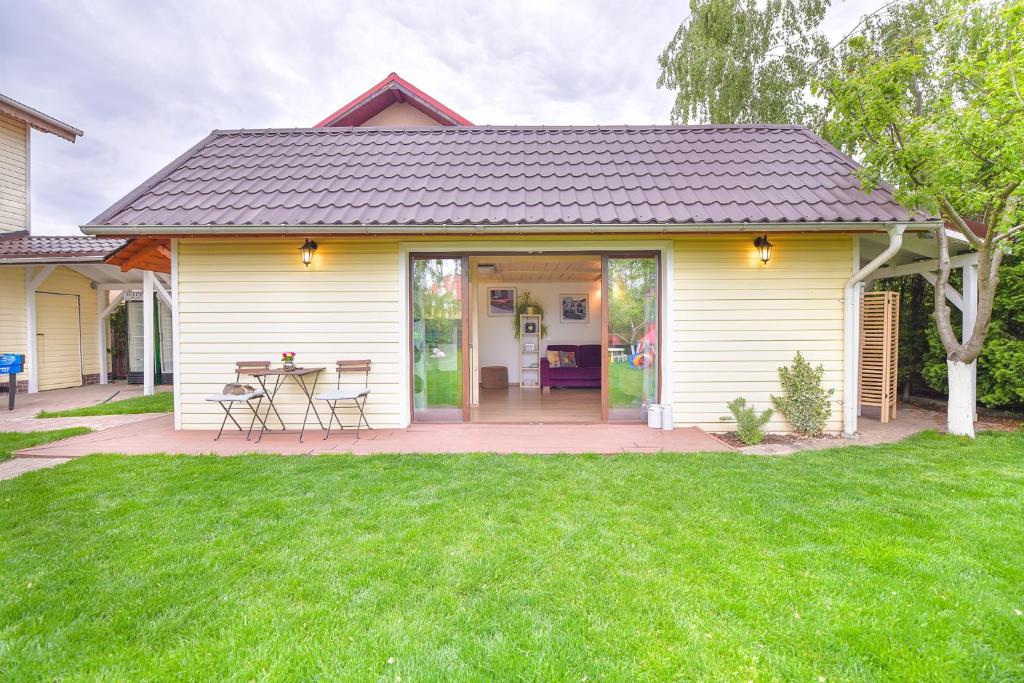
column 256, row 416
column 330, row 420
column 227, row 414
column 362, row 415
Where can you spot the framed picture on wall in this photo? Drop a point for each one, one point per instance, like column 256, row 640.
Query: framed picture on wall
column 501, row 301
column 575, row 308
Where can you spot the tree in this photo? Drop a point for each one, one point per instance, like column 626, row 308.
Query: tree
column 631, row 296
column 926, row 95
column 744, row 61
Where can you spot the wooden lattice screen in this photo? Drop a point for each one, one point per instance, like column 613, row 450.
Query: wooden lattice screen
column 879, row 344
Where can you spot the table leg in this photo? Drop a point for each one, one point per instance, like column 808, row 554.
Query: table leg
column 271, row 395
column 309, row 402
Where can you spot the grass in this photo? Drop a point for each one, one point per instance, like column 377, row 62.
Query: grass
column 15, row 441
column 162, row 402
column 899, row 562
column 444, row 387
column 625, row 386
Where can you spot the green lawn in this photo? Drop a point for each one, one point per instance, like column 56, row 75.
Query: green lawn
column 444, row 387
column 625, row 386
column 901, row 562
column 162, row 402
column 15, row 441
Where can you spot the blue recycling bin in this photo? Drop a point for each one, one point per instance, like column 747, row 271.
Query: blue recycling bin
column 11, row 364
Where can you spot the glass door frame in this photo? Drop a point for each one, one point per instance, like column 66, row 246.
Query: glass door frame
column 464, row 341
column 606, row 327
column 469, row 304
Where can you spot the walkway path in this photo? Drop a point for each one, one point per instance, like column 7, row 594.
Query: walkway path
column 157, row 435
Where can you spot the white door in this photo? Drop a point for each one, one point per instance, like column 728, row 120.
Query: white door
column 58, row 340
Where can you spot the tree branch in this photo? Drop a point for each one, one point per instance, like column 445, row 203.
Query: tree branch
column 959, row 222
column 1009, row 234
column 945, row 328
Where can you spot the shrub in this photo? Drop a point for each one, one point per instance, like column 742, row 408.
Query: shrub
column 804, row 401
column 749, row 424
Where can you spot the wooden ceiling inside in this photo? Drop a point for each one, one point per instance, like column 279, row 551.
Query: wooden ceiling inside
column 539, row 268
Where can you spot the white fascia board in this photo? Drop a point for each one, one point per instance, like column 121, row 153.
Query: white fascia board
column 511, row 229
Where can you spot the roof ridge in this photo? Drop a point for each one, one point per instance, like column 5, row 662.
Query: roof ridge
column 472, row 130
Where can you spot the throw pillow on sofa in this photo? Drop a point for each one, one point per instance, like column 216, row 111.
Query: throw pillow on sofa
column 566, row 359
column 554, row 358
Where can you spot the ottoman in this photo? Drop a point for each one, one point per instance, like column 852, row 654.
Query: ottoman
column 494, row 377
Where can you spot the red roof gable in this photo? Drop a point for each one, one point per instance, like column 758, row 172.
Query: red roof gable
column 391, row 90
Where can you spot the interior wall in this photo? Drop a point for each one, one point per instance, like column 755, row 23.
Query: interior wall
column 496, row 342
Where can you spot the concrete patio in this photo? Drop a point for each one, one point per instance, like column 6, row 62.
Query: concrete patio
column 148, row 434
column 27, row 406
column 157, row 435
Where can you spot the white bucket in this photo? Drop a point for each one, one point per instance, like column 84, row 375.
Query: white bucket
column 666, row 418
column 654, row 416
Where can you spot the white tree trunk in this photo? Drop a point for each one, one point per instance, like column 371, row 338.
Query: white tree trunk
column 960, row 411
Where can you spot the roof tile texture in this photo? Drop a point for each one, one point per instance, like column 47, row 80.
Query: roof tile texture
column 500, row 176
column 20, row 245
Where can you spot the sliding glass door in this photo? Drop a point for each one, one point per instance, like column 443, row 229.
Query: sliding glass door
column 632, row 340
column 438, row 339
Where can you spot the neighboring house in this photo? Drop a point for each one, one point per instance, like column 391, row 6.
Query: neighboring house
column 577, row 215
column 53, row 289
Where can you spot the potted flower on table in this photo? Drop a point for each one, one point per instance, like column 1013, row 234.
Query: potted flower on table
column 288, row 358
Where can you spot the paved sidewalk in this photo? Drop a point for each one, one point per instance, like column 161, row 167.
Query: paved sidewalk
column 157, row 435
column 9, row 469
column 27, row 406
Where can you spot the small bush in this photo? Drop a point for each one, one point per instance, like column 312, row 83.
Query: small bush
column 804, row 401
column 749, row 424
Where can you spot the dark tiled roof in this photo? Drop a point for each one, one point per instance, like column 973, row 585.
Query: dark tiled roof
column 20, row 245
column 500, row 176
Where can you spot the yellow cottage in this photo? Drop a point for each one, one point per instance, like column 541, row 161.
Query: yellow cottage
column 517, row 274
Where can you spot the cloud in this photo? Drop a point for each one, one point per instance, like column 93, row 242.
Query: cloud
column 147, row 81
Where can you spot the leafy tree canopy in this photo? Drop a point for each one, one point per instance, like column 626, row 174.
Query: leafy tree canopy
column 744, row 61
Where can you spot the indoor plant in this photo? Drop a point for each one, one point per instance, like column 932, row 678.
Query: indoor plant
column 526, row 305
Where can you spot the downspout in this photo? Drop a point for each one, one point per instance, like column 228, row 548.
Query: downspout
column 851, row 327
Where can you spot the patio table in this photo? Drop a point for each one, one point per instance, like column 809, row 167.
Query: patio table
column 279, row 375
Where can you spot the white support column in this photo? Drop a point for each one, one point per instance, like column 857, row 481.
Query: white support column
column 32, row 281
column 105, row 310
column 176, row 335
column 970, row 316
column 101, row 330
column 148, row 337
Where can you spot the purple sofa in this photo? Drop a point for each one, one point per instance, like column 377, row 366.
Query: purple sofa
column 586, row 374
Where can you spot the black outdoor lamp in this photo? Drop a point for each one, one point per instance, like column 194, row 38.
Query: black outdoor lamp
column 764, row 248
column 306, row 252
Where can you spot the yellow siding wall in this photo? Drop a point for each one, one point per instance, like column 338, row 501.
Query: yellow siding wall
column 12, row 310
column 736, row 320
column 733, row 320
column 13, row 175
column 252, row 300
column 66, row 281
column 61, row 334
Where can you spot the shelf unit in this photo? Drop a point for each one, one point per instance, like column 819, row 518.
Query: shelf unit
column 529, row 360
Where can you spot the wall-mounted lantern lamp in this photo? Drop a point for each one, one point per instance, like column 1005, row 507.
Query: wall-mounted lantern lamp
column 764, row 248
column 306, row 252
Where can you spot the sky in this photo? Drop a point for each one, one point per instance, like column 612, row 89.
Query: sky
column 147, row 80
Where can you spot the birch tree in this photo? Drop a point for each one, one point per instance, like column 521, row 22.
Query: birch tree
column 927, row 96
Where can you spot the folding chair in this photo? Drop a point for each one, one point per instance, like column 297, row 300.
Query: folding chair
column 227, row 401
column 358, row 396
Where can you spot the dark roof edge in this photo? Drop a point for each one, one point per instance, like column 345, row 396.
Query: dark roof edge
column 468, row 130
column 37, row 119
column 149, row 182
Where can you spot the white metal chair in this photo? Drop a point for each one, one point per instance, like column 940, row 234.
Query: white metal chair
column 357, row 395
column 227, row 401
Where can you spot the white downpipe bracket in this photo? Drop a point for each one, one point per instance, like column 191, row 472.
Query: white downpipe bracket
column 851, row 327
